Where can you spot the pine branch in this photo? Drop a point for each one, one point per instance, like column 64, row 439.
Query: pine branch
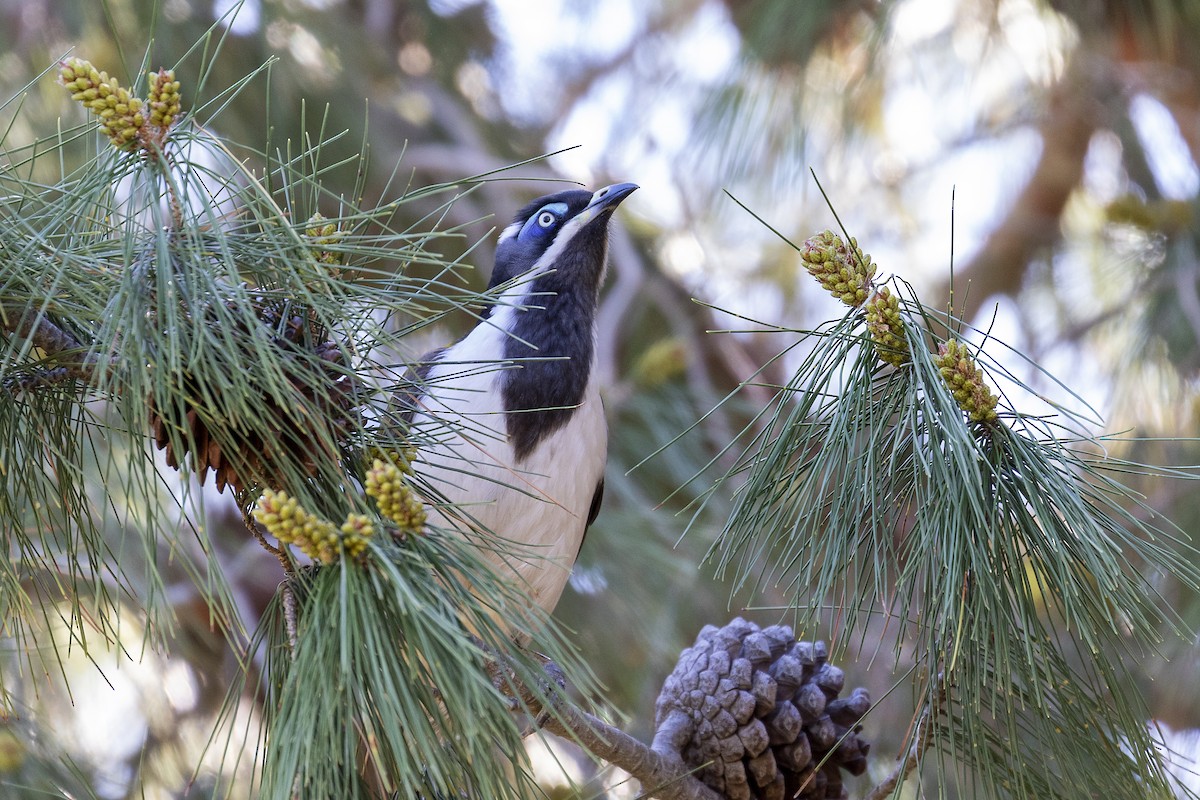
column 952, row 460
column 39, row 331
column 657, row 766
column 907, row 764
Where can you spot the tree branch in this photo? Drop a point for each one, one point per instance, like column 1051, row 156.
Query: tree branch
column 658, row 767
column 910, row 761
column 36, row 328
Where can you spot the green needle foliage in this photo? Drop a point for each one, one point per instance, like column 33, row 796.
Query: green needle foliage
column 1008, row 558
column 353, row 712
column 165, row 289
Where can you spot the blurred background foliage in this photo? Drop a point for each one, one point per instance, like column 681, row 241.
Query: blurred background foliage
column 1048, row 149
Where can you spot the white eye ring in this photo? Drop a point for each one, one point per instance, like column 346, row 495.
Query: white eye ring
column 546, row 219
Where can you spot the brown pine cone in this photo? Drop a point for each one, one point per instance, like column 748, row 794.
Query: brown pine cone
column 234, row 449
column 765, row 712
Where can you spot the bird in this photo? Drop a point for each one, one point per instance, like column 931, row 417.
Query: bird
column 512, row 438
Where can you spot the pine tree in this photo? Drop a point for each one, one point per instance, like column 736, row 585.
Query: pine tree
column 162, row 289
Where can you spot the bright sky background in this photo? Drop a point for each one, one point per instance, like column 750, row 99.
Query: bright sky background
column 933, row 103
column 931, row 111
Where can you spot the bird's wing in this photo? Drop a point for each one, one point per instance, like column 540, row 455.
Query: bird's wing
column 406, row 401
column 597, row 499
column 594, row 511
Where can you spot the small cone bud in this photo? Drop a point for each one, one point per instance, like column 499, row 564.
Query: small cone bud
column 322, row 234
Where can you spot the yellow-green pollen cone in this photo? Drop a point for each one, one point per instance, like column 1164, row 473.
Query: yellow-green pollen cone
column 317, row 538
column 163, row 98
column 887, row 328
column 402, row 459
column 356, row 530
column 121, row 114
column 127, row 120
column 845, row 272
column 965, row 379
column 395, row 499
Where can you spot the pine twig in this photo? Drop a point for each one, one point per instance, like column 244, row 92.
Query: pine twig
column 289, row 614
column 38, row 379
column 256, row 529
column 907, row 764
column 37, row 329
column 658, row 766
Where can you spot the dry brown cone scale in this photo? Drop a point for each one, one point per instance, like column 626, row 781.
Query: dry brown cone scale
column 237, row 453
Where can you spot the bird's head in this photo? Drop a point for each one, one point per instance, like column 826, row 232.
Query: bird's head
column 566, row 233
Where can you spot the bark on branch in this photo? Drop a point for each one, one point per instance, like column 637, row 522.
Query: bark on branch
column 657, row 766
column 36, row 328
column 911, row 759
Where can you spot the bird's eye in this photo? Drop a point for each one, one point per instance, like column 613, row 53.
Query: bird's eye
column 543, row 222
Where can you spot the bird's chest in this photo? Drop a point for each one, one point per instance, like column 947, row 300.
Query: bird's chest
column 524, row 489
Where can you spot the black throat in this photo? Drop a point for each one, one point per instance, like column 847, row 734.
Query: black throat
column 552, row 347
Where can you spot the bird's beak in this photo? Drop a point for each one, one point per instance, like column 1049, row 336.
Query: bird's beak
column 605, row 201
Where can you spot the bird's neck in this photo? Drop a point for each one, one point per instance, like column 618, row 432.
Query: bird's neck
column 552, row 346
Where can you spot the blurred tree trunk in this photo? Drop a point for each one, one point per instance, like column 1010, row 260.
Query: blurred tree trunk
column 1073, row 112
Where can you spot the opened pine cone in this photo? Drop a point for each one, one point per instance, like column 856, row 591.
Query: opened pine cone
column 235, row 450
column 763, row 716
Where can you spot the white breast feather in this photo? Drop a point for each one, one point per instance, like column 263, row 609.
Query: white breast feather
column 535, row 513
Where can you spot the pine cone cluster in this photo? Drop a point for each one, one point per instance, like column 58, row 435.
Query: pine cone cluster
column 766, row 719
column 319, row 380
column 128, row 121
column 318, row 538
column 121, row 114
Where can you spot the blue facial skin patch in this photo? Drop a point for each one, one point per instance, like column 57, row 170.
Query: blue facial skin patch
column 545, row 220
